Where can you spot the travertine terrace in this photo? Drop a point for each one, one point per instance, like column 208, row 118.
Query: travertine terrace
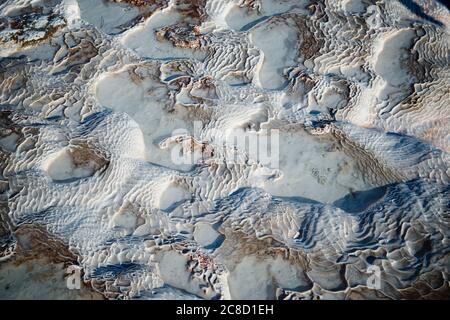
column 93, row 95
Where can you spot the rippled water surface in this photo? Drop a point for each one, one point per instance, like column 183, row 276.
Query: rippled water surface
column 224, row 149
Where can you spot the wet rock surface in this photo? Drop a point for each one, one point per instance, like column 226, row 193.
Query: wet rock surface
column 103, row 102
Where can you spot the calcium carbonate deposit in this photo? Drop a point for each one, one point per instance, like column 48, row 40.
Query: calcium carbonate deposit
column 225, row 149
